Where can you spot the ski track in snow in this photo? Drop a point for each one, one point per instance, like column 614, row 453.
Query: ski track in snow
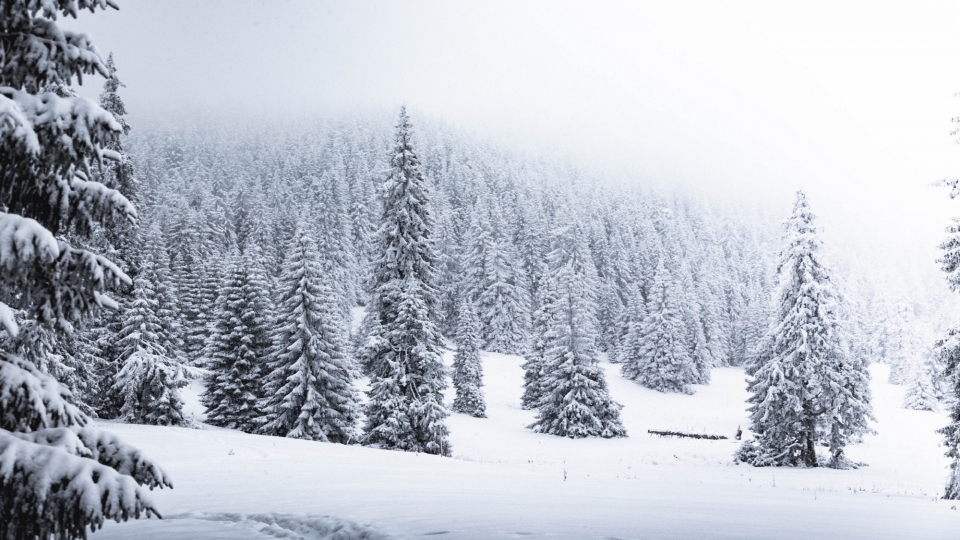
column 506, row 482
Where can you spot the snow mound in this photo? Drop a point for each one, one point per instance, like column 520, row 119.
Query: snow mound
column 291, row 526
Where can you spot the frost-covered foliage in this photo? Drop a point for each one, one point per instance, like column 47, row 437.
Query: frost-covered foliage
column 239, row 345
column 309, row 391
column 921, row 392
column 496, row 282
column 218, row 187
column 149, row 384
column 903, row 346
column 534, row 365
column 405, row 410
column 947, row 352
column 574, row 399
column 58, row 478
column 655, row 351
column 950, row 248
column 198, row 292
column 467, row 369
column 805, row 386
column 150, row 375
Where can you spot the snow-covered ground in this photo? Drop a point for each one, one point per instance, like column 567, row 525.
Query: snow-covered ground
column 507, row 482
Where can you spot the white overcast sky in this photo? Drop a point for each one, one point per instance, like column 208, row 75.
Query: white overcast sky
column 850, row 101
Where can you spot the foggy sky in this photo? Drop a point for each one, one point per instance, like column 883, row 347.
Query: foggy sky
column 748, row 100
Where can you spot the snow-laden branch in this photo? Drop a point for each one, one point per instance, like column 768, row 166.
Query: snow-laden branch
column 32, row 400
column 47, row 491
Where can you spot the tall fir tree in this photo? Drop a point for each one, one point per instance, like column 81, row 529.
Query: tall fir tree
column 309, row 391
column 574, row 399
column 947, row 351
column 149, row 378
column 655, row 352
column 333, row 235
column 196, row 297
column 534, row 358
column 52, row 484
column 239, row 344
column 805, row 387
column 405, row 408
column 467, row 369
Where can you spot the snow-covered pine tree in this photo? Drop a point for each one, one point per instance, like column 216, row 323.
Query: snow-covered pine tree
column 149, row 379
column 475, row 257
column 118, row 174
column 450, row 263
column 632, row 316
column 167, row 305
column 947, row 351
column 505, row 300
column 691, row 310
column 903, row 344
column 57, row 480
column 239, row 344
column 405, row 410
column 805, row 388
column 333, row 244
column 655, row 353
column 193, row 311
column 309, row 391
column 574, row 399
column 534, row 366
column 921, row 391
column 119, row 244
column 467, row 369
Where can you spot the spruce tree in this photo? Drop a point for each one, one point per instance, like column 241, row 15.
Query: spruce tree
column 405, row 410
column 467, row 369
column 337, row 260
column 655, row 352
column 947, row 350
column 309, row 391
column 505, row 301
column 199, row 304
column 574, row 400
column 534, row 358
column 56, row 480
column 921, row 391
column 903, row 345
column 239, row 343
column 150, row 375
column 805, row 387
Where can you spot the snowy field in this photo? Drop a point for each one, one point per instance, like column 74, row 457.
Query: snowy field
column 507, row 482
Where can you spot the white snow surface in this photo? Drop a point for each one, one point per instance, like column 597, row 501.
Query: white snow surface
column 505, row 481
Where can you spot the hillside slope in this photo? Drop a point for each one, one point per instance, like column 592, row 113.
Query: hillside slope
column 507, row 482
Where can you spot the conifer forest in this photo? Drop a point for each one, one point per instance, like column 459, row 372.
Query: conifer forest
column 322, row 270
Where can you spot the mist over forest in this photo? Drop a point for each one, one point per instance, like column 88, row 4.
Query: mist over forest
column 479, row 270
